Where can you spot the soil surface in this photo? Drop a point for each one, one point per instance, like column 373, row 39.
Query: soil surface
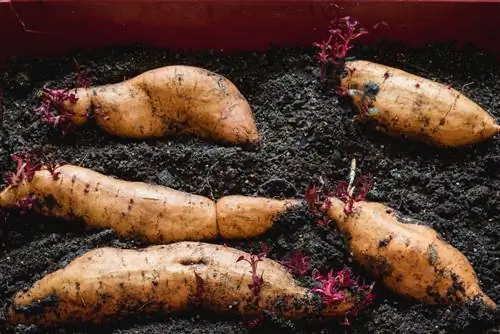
column 307, row 133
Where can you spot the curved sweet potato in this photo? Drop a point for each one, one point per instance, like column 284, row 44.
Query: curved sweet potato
column 410, row 259
column 150, row 212
column 403, row 104
column 110, row 282
column 164, row 101
column 246, row 217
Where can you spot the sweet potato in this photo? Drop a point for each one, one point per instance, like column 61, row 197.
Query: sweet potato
column 400, row 103
column 164, row 101
column 136, row 209
column 403, row 104
column 113, row 283
column 240, row 217
column 411, row 259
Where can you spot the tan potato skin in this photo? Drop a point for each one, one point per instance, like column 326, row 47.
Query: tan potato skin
column 154, row 213
column 112, row 282
column 432, row 112
column 411, row 260
column 241, row 217
column 170, row 100
column 137, row 209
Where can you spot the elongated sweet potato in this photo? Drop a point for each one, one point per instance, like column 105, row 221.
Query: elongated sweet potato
column 400, row 103
column 240, row 217
column 164, row 101
column 113, row 283
column 135, row 209
column 409, row 258
column 403, row 104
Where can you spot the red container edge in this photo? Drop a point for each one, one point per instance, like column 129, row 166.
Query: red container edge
column 54, row 27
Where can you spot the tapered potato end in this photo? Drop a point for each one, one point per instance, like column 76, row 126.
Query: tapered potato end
column 241, row 217
column 489, row 302
column 238, row 126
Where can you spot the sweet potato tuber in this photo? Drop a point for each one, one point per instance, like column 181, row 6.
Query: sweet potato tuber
column 403, row 104
column 113, row 283
column 400, row 103
column 409, row 258
column 136, row 209
column 164, row 101
column 130, row 208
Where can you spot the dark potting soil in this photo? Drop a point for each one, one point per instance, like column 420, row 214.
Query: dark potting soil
column 307, row 133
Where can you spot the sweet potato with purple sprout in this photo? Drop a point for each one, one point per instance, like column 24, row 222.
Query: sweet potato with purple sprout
column 115, row 283
column 402, row 104
column 164, row 101
column 135, row 209
column 405, row 104
column 410, row 258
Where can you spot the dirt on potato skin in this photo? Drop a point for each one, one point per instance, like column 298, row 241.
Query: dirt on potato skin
column 307, row 132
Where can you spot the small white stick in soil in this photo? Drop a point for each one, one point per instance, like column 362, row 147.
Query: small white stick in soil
column 352, row 175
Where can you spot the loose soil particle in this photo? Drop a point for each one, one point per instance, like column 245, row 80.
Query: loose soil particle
column 307, row 132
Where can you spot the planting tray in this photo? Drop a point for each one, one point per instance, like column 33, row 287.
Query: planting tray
column 265, row 49
column 51, row 27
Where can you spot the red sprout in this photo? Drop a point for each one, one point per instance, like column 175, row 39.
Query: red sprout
column 330, row 291
column 314, row 198
column 256, row 321
column 366, row 297
column 314, row 194
column 62, row 117
column 343, row 193
column 327, row 203
column 26, row 203
column 338, row 44
column 298, row 263
column 52, row 168
column 334, row 284
column 347, row 32
column 26, row 167
column 417, row 85
column 323, row 56
column 56, row 99
column 318, row 198
column 323, row 222
column 265, row 249
column 197, row 299
column 257, row 280
column 82, row 79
